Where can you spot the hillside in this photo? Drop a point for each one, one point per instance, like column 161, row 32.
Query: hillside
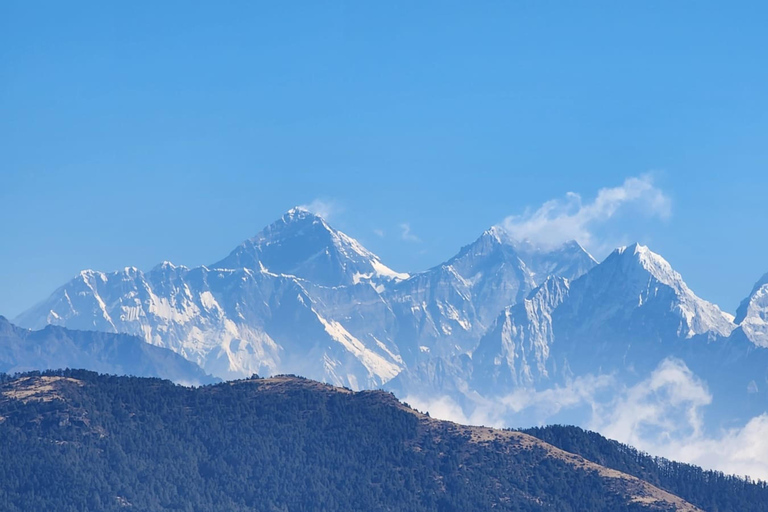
column 76, row 440
column 710, row 490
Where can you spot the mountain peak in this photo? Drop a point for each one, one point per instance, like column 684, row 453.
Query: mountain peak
column 301, row 213
column 574, row 244
column 292, row 223
column 527, row 245
column 497, row 233
column 638, row 251
column 759, row 285
column 642, row 276
column 649, row 261
column 304, row 245
column 167, row 266
column 635, row 248
column 637, row 257
column 752, row 314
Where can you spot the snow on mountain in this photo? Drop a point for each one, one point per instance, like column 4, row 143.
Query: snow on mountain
column 752, row 315
column 253, row 312
column 169, row 306
column 625, row 315
column 619, row 321
column 576, row 344
column 301, row 297
column 56, row 347
column 446, row 309
column 302, row 244
column 515, row 350
column 569, row 260
column 635, row 294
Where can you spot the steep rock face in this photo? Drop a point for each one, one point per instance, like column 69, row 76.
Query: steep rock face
column 446, row 309
column 752, row 315
column 225, row 320
column 635, row 293
column 302, row 297
column 172, row 307
column 631, row 310
column 622, row 320
column 515, row 351
column 435, row 378
column 56, row 347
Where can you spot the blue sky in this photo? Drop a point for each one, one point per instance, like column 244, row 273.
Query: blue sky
column 136, row 133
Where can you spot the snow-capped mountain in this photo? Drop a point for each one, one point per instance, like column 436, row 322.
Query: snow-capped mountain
column 56, row 347
column 515, row 350
column 571, row 348
column 632, row 305
column 631, row 310
column 752, row 315
column 501, row 315
column 635, row 292
column 302, row 297
column 446, row 309
column 624, row 316
column 303, row 245
column 243, row 320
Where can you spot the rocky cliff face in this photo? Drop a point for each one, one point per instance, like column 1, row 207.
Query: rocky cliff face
column 302, row 297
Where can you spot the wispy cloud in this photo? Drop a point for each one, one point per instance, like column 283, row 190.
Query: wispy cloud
column 662, row 415
column 444, row 408
column 560, row 220
column 668, row 404
column 325, row 208
column 548, row 402
column 521, row 406
column 406, row 233
column 379, row 233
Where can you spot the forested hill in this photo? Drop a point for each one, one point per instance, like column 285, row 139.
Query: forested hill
column 77, row 441
column 710, row 490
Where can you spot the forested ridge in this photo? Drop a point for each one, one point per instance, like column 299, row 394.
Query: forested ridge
column 713, row 491
column 78, row 441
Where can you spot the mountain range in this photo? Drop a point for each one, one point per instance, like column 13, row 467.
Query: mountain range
column 55, row 347
column 302, row 297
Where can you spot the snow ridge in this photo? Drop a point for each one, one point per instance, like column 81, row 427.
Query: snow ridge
column 302, row 297
column 752, row 315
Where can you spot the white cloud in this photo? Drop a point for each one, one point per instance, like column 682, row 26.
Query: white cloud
column 379, row 233
column 548, row 402
column 406, row 233
column 667, row 405
column 560, row 220
column 325, row 208
column 662, row 415
column 520, row 406
column 742, row 451
column 441, row 407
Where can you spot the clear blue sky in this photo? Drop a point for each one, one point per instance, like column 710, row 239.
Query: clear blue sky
column 136, row 132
